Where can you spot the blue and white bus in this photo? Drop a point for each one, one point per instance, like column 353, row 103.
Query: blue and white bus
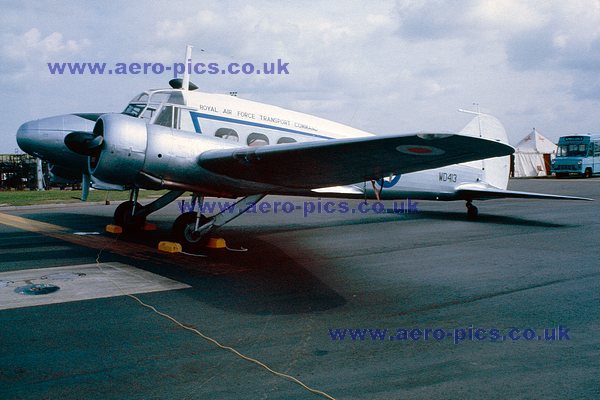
column 577, row 154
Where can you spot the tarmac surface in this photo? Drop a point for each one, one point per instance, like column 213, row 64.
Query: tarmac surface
column 525, row 264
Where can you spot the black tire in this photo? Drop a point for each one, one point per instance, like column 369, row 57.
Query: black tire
column 587, row 173
column 124, row 219
column 183, row 234
column 472, row 212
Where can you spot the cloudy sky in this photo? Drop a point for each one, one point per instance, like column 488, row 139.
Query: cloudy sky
column 385, row 66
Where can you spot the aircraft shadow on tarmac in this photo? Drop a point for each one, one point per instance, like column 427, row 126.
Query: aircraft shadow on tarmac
column 263, row 280
column 307, row 224
column 94, row 222
column 489, row 219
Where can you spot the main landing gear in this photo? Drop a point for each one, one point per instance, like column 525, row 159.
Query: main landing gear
column 191, row 228
column 125, row 216
column 184, row 230
column 131, row 215
column 472, row 211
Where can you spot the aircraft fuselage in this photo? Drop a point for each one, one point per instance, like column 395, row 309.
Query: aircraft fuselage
column 162, row 132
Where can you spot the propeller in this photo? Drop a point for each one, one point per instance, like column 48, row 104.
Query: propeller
column 85, row 186
column 84, row 143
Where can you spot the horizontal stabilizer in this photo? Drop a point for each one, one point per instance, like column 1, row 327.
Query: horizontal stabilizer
column 474, row 192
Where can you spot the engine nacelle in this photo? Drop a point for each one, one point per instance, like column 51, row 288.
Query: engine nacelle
column 123, row 149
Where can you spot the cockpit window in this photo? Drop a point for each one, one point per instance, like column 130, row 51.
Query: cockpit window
column 148, row 112
column 144, row 105
column 165, row 118
column 176, row 98
column 142, row 97
column 159, row 97
column 134, row 109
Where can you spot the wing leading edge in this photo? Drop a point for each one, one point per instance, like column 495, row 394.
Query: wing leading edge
column 344, row 161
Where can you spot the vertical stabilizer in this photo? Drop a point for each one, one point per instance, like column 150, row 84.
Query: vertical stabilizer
column 496, row 170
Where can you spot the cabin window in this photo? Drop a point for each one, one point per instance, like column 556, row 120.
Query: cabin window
column 257, row 139
column 228, row 134
column 286, row 140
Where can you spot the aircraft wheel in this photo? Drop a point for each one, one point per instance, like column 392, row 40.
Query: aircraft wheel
column 183, row 231
column 472, row 211
column 123, row 217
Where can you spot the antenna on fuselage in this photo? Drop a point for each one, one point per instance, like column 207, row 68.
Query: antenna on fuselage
column 186, row 71
column 185, row 84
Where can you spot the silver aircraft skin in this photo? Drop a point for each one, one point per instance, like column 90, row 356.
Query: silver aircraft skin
column 182, row 139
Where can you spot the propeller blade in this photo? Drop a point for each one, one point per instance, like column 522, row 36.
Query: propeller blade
column 84, row 143
column 85, row 186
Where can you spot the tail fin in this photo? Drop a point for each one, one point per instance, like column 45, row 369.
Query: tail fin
column 495, row 170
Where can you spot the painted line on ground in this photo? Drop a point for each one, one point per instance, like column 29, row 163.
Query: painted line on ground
column 113, row 245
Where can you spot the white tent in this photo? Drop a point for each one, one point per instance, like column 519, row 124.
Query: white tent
column 530, row 153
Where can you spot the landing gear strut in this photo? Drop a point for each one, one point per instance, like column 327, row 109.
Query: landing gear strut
column 472, row 211
column 191, row 229
column 131, row 215
column 125, row 214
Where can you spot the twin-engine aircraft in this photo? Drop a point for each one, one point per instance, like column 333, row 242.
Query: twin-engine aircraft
column 181, row 139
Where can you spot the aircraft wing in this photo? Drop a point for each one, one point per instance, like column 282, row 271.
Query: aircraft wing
column 473, row 192
column 343, row 161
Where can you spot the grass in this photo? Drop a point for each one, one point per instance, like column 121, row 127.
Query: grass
column 30, row 197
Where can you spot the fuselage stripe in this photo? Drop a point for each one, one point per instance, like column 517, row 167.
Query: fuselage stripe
column 196, row 115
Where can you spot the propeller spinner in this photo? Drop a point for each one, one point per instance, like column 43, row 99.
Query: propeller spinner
column 84, row 143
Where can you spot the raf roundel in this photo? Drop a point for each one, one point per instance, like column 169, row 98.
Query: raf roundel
column 419, row 150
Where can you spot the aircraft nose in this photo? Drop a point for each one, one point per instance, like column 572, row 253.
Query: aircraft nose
column 45, row 138
column 26, row 135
